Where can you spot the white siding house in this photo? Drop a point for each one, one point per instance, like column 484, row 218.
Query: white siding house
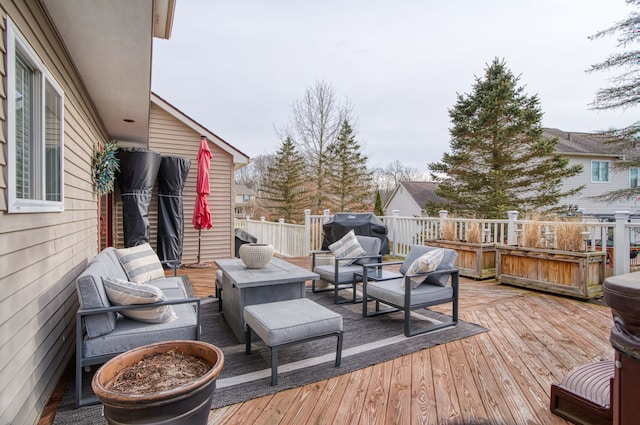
column 597, row 175
column 409, row 198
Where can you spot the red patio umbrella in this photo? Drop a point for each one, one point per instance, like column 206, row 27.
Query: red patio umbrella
column 201, row 214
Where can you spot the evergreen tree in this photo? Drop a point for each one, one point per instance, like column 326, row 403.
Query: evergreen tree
column 284, row 192
column 349, row 181
column 499, row 160
column 623, row 93
column 377, row 209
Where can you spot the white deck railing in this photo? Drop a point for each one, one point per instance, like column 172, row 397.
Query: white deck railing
column 293, row 240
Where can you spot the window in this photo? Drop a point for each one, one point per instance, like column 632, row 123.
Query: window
column 633, row 177
column 35, row 105
column 599, row 171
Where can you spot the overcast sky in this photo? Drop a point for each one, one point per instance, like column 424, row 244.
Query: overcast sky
column 236, row 67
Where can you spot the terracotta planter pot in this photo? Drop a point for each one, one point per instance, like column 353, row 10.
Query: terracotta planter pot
column 188, row 404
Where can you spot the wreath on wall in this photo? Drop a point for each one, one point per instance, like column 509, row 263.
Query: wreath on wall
column 104, row 165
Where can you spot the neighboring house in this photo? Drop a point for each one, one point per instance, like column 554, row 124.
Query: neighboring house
column 76, row 74
column 598, row 174
column 245, row 201
column 409, row 198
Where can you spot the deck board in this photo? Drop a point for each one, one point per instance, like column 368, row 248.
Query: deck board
column 499, row 377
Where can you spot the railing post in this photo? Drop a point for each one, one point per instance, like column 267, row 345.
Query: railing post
column 280, row 235
column 621, row 263
column 326, row 215
column 307, row 232
column 262, row 226
column 443, row 216
column 512, row 234
column 394, row 231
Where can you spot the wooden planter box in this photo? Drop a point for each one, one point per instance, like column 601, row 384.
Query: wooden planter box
column 475, row 260
column 577, row 274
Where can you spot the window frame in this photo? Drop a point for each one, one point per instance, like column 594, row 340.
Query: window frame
column 600, row 174
column 18, row 45
column 636, row 171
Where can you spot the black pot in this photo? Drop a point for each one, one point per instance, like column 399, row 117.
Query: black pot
column 189, row 404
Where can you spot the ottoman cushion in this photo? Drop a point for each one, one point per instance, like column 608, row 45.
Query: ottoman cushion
column 283, row 322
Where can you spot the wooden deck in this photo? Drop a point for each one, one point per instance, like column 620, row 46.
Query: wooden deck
column 498, row 377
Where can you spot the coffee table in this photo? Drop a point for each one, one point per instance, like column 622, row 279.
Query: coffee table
column 378, row 274
column 278, row 281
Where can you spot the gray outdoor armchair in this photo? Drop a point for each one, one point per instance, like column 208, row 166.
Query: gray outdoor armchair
column 339, row 276
column 395, row 290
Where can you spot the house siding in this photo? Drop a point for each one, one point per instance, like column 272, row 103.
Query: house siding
column 42, row 253
column 404, row 203
column 169, row 136
column 619, row 179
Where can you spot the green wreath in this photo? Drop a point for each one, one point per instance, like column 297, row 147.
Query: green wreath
column 104, row 165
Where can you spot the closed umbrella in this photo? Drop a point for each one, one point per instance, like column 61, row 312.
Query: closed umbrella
column 201, row 214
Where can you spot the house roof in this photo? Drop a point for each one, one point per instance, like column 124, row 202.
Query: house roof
column 239, row 158
column 110, row 44
column 576, row 143
column 421, row 192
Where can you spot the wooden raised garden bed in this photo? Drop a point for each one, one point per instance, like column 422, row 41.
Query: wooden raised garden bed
column 576, row 274
column 475, row 260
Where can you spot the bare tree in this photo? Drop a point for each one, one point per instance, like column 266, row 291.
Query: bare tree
column 386, row 179
column 314, row 126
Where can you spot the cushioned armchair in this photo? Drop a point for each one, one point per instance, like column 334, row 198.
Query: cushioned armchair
column 340, row 273
column 413, row 288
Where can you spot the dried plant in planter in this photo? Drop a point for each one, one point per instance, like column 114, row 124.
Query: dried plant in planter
column 532, row 233
column 474, row 232
column 568, row 235
column 449, row 231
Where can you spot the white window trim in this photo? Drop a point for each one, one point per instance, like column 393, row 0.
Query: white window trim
column 637, row 176
column 591, row 172
column 15, row 205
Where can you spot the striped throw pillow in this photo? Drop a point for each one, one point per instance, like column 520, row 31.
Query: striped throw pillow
column 121, row 292
column 140, row 263
column 347, row 247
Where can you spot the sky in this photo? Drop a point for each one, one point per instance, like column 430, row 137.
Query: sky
column 236, row 67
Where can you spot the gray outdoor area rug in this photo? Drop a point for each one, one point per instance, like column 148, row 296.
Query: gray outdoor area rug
column 367, row 341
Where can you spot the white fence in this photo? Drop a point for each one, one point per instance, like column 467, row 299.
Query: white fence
column 621, row 236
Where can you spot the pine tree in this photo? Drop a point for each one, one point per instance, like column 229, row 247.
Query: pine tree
column 284, row 192
column 349, row 180
column 623, row 93
column 377, row 209
column 499, row 160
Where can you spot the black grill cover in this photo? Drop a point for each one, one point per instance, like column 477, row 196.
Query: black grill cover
column 363, row 224
column 242, row 238
column 136, row 178
column 171, row 179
